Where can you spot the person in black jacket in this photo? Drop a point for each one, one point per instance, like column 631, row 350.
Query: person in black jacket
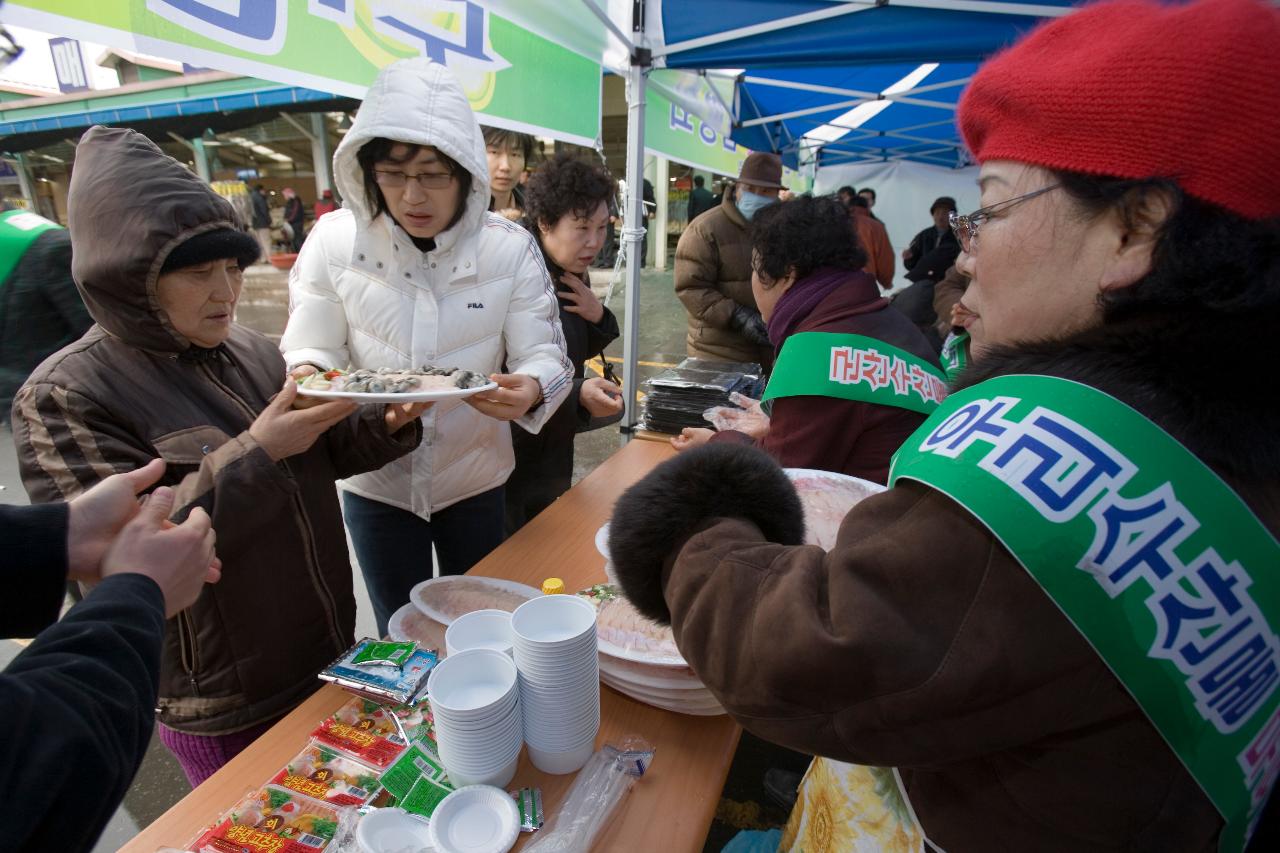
column 262, row 220
column 40, row 309
column 932, row 252
column 700, row 200
column 567, row 211
column 295, row 213
column 79, row 701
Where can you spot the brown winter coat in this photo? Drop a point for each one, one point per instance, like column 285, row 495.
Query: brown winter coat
column 133, row 389
column 713, row 273
column 919, row 643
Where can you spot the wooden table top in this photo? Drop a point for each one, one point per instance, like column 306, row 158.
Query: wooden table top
column 669, row 809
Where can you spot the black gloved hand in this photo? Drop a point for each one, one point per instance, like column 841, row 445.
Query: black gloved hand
column 748, row 323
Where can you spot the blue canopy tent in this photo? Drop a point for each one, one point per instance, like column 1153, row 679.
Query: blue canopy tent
column 814, row 79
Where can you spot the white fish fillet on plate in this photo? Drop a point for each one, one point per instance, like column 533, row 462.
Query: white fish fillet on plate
column 445, row 599
column 827, row 498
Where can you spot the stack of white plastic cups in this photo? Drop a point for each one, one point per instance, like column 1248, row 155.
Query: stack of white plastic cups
column 475, row 698
column 554, row 639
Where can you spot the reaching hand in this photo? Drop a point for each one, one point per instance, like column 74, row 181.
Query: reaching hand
column 745, row 416
column 97, row 516
column 399, row 414
column 691, row 437
column 600, row 397
column 516, row 393
column 580, row 299
column 283, row 431
column 179, row 558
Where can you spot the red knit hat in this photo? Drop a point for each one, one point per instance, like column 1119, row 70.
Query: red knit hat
column 1136, row 89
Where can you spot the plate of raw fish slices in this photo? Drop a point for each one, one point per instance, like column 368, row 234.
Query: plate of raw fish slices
column 446, row 598
column 827, row 498
column 395, row 384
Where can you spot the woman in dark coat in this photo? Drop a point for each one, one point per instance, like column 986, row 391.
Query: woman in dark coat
column 567, row 211
column 808, row 278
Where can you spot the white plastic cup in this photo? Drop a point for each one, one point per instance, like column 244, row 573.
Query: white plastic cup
column 479, row 629
column 498, row 778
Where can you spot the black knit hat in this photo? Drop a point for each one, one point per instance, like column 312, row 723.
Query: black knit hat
column 212, row 246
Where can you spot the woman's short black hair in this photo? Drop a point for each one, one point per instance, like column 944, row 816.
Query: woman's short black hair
column 566, row 185
column 378, row 150
column 804, row 234
column 1205, row 259
column 497, row 137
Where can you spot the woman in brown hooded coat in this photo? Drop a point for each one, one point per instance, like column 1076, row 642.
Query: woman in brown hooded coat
column 166, row 372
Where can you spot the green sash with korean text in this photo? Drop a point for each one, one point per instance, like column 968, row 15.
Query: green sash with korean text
column 955, row 353
column 855, row 367
column 1154, row 559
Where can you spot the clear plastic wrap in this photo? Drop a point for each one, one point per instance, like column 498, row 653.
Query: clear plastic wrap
column 595, row 795
column 745, row 416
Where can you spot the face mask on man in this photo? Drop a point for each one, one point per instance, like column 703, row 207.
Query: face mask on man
column 750, row 203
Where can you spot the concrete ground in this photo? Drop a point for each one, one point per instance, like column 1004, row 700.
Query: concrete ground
column 264, row 307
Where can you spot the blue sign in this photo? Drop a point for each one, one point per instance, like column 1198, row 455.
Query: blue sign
column 68, row 64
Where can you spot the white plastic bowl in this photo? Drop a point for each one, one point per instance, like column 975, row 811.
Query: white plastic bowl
column 392, row 830
column 471, row 683
column 479, row 629
column 559, row 763
column 553, row 620
column 475, row 819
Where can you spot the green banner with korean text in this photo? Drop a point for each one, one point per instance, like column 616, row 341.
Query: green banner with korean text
column 513, row 78
column 674, row 132
column 1154, row 559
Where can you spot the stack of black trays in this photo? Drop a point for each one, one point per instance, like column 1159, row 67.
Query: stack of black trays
column 677, row 397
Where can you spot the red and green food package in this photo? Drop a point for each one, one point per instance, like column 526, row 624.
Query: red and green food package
column 324, row 773
column 271, row 820
column 366, row 731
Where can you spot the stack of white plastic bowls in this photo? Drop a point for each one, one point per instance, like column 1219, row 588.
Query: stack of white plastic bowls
column 475, row 698
column 554, row 639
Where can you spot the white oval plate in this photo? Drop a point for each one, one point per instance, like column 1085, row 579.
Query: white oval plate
column 469, row 583
column 642, row 675
column 669, row 658
column 602, row 541
column 701, row 707
column 400, row 627
column 406, row 397
column 475, row 819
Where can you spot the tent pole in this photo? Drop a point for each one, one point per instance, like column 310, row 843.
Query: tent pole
column 633, row 233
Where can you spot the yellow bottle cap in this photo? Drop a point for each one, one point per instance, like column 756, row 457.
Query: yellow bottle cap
column 553, row 586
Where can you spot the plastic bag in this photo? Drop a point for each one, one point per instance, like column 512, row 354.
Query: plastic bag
column 747, row 418
column 601, row 785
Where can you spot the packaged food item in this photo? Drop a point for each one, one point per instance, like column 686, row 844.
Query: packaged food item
column 403, row 685
column 386, row 654
column 323, row 773
column 368, row 731
column 418, row 780
column 271, row 820
column 529, row 801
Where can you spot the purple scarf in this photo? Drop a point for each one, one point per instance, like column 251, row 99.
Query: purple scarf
column 799, row 302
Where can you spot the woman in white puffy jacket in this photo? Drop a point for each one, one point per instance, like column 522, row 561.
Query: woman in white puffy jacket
column 414, row 271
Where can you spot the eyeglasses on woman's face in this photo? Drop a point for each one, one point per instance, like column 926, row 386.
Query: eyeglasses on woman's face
column 966, row 227
column 395, row 180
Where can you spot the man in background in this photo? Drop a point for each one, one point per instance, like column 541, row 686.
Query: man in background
column 713, row 270
column 700, row 199
column 40, row 308
column 874, row 238
column 262, row 221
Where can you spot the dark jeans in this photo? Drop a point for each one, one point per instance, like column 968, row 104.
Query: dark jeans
column 394, row 545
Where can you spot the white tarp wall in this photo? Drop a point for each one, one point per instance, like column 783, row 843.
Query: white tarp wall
column 904, row 191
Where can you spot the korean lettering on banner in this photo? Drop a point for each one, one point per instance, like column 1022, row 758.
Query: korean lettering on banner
column 850, row 366
column 260, row 26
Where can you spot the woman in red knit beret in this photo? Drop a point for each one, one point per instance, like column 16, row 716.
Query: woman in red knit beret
column 1058, row 629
